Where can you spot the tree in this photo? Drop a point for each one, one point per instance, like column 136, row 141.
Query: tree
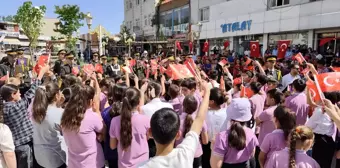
column 127, row 32
column 30, row 20
column 70, row 19
column 8, row 18
column 156, row 20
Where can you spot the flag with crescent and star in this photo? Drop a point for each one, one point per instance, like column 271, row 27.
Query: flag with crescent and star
column 255, row 49
column 282, row 48
column 336, row 69
column 313, row 90
column 190, row 64
column 299, row 58
column 178, row 71
column 43, row 60
column 206, row 46
column 329, row 82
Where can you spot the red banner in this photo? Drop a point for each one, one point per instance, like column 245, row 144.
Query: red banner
column 255, row 49
column 282, row 48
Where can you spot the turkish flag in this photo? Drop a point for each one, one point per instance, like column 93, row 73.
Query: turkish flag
column 323, row 41
column 178, row 45
column 132, row 62
column 190, row 64
column 313, row 90
column 190, row 46
column 237, row 81
column 162, row 70
column 336, row 69
column 246, row 92
column 329, row 82
column 88, row 69
column 153, row 64
column 248, row 61
column 223, row 62
column 99, row 69
column 226, row 44
column 206, row 46
column 255, row 49
column 282, row 48
column 299, row 58
column 43, row 60
column 75, row 70
column 178, row 71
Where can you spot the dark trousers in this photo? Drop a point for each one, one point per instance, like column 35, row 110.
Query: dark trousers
column 323, row 150
column 113, row 163
column 152, row 148
column 24, row 156
column 197, row 162
column 236, row 165
column 206, row 155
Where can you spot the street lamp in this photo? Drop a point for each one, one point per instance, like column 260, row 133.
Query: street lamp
column 199, row 24
column 89, row 18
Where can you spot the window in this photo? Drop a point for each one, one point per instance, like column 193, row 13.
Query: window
column 275, row 3
column 204, row 14
column 137, row 2
column 130, row 4
column 150, row 20
column 185, row 13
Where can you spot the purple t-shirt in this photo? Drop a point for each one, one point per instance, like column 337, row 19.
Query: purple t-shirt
column 177, row 105
column 257, row 104
column 84, row 151
column 138, row 152
column 267, row 125
column 298, row 103
column 103, row 100
column 182, row 117
column 272, row 142
column 232, row 155
column 280, row 159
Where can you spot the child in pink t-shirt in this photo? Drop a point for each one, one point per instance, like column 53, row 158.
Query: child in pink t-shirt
column 186, row 119
column 128, row 132
column 301, row 140
column 277, row 140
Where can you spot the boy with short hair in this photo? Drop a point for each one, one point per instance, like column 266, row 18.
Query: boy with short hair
column 164, row 129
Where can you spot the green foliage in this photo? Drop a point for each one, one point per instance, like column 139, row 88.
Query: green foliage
column 8, row 18
column 127, row 32
column 70, row 20
column 30, row 19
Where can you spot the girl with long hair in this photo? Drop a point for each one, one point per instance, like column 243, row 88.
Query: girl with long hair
column 285, row 121
column 186, row 120
column 128, row 131
column 116, row 93
column 7, row 156
column 82, row 127
column 301, row 139
column 235, row 147
column 46, row 118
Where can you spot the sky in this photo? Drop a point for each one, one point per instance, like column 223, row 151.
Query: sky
column 108, row 13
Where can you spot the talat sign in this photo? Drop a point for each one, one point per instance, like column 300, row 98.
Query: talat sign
column 236, row 26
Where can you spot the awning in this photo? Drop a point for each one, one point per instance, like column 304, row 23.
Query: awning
column 11, row 41
column 26, row 44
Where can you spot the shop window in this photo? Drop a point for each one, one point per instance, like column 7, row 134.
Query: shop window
column 145, row 20
column 137, row 2
column 204, row 14
column 276, row 3
column 185, row 13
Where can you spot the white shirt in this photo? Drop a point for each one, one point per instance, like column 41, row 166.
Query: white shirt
column 154, row 105
column 213, row 84
column 215, row 120
column 6, row 143
column 287, row 80
column 181, row 156
column 48, row 140
column 321, row 123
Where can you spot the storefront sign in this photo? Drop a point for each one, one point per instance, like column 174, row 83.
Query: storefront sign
column 236, row 26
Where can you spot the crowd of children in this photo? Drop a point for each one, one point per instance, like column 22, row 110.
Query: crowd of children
column 129, row 121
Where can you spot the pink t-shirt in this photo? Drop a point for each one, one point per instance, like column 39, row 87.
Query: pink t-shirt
column 257, row 104
column 298, row 103
column 272, row 142
column 232, row 155
column 138, row 152
column 177, row 105
column 182, row 117
column 84, row 151
column 103, row 100
column 280, row 159
column 267, row 125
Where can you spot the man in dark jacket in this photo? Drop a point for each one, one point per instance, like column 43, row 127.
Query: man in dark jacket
column 59, row 63
column 67, row 67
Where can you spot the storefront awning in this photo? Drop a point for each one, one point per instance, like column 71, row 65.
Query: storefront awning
column 11, row 41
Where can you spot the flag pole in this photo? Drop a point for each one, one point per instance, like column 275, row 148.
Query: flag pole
column 319, row 88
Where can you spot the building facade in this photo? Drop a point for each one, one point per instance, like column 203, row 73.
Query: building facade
column 138, row 16
column 311, row 23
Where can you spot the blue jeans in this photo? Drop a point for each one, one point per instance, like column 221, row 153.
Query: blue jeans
column 24, row 156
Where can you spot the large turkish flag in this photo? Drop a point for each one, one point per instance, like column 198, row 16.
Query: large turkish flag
column 282, row 48
column 255, row 49
column 329, row 82
column 313, row 90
